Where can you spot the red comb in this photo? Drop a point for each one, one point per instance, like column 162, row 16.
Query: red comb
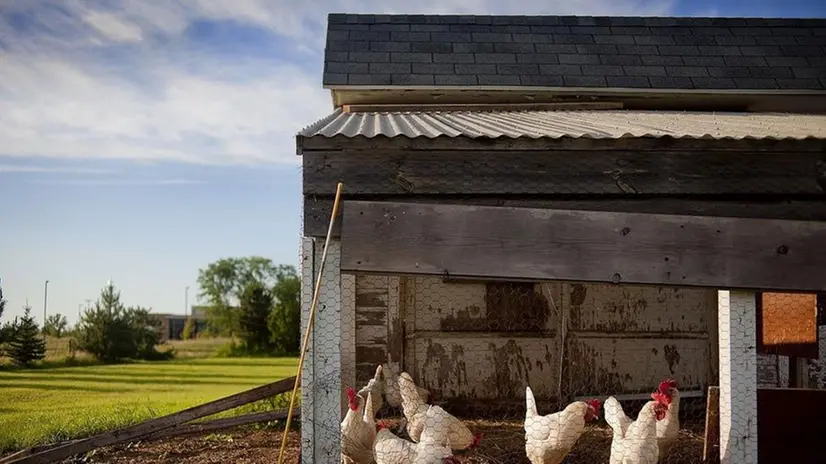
column 351, row 392
column 594, row 403
column 661, row 398
column 666, row 384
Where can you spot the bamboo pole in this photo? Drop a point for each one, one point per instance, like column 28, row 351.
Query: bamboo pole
column 309, row 323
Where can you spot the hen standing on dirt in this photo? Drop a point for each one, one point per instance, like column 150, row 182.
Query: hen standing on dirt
column 639, row 444
column 549, row 438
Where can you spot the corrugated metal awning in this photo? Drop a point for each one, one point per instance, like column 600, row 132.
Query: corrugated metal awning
column 594, row 124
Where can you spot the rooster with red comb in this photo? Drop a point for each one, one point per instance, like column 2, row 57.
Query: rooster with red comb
column 669, row 427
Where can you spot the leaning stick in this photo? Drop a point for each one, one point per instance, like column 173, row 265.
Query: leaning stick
column 309, row 323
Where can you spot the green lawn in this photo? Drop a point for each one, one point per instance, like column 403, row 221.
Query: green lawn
column 46, row 405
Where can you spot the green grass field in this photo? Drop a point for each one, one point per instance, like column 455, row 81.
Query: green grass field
column 46, row 405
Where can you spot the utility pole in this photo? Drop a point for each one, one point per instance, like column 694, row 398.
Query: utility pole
column 45, row 305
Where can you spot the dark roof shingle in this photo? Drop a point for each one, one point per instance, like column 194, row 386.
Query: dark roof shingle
column 576, row 51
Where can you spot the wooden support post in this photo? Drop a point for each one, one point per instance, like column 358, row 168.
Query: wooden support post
column 711, row 443
column 321, row 376
column 738, row 377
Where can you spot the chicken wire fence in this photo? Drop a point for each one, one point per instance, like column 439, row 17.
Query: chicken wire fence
column 509, row 372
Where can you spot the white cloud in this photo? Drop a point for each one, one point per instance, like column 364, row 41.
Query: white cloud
column 118, row 181
column 124, row 82
column 11, row 168
column 114, row 28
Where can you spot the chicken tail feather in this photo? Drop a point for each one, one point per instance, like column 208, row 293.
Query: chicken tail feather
column 369, row 413
column 410, row 394
column 530, row 403
column 613, row 413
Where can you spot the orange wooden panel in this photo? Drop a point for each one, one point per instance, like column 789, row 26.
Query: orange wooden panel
column 787, row 324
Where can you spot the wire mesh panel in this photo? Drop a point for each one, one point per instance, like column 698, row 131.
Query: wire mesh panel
column 509, row 372
column 789, row 371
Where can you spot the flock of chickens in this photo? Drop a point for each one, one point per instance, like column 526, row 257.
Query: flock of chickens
column 436, row 434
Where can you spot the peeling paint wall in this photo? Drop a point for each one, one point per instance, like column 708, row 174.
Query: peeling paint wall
column 488, row 340
column 627, row 338
column 378, row 324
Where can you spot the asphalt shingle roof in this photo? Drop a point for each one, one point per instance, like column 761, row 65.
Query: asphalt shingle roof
column 576, row 51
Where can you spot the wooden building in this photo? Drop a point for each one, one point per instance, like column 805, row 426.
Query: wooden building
column 585, row 204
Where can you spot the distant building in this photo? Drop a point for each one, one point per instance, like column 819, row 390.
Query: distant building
column 172, row 325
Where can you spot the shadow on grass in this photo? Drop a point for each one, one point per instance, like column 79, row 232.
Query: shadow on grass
column 51, row 387
column 141, row 376
column 103, row 379
column 270, row 362
column 53, row 364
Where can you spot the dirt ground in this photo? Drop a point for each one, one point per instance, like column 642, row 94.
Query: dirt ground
column 227, row 447
column 502, row 442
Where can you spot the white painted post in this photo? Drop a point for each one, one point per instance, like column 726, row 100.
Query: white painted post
column 736, row 317
column 321, row 374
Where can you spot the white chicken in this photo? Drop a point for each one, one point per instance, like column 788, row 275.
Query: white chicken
column 392, row 392
column 638, row 445
column 376, row 386
column 668, row 429
column 447, row 428
column 390, row 449
column 549, row 438
column 358, row 430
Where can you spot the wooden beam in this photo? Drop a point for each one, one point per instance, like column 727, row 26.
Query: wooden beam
column 558, row 106
column 317, row 210
column 565, row 173
column 584, row 246
column 674, row 99
column 711, row 443
column 220, row 424
column 133, row 432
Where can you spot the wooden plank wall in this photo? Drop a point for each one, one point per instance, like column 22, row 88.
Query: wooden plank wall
column 488, row 242
column 378, row 325
column 458, row 344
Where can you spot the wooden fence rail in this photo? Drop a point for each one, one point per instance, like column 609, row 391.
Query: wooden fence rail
column 150, row 427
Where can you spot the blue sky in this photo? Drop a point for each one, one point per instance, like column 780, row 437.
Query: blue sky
column 142, row 139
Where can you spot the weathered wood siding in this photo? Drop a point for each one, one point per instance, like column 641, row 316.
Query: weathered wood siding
column 378, row 327
column 480, row 340
column 627, row 338
column 477, row 340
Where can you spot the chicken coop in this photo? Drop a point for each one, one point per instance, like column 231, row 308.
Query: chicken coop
column 580, row 205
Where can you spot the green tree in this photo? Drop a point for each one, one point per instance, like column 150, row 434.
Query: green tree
column 111, row 332
column 285, row 318
column 189, row 329
column 255, row 307
column 221, row 284
column 25, row 344
column 55, row 325
column 145, row 332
